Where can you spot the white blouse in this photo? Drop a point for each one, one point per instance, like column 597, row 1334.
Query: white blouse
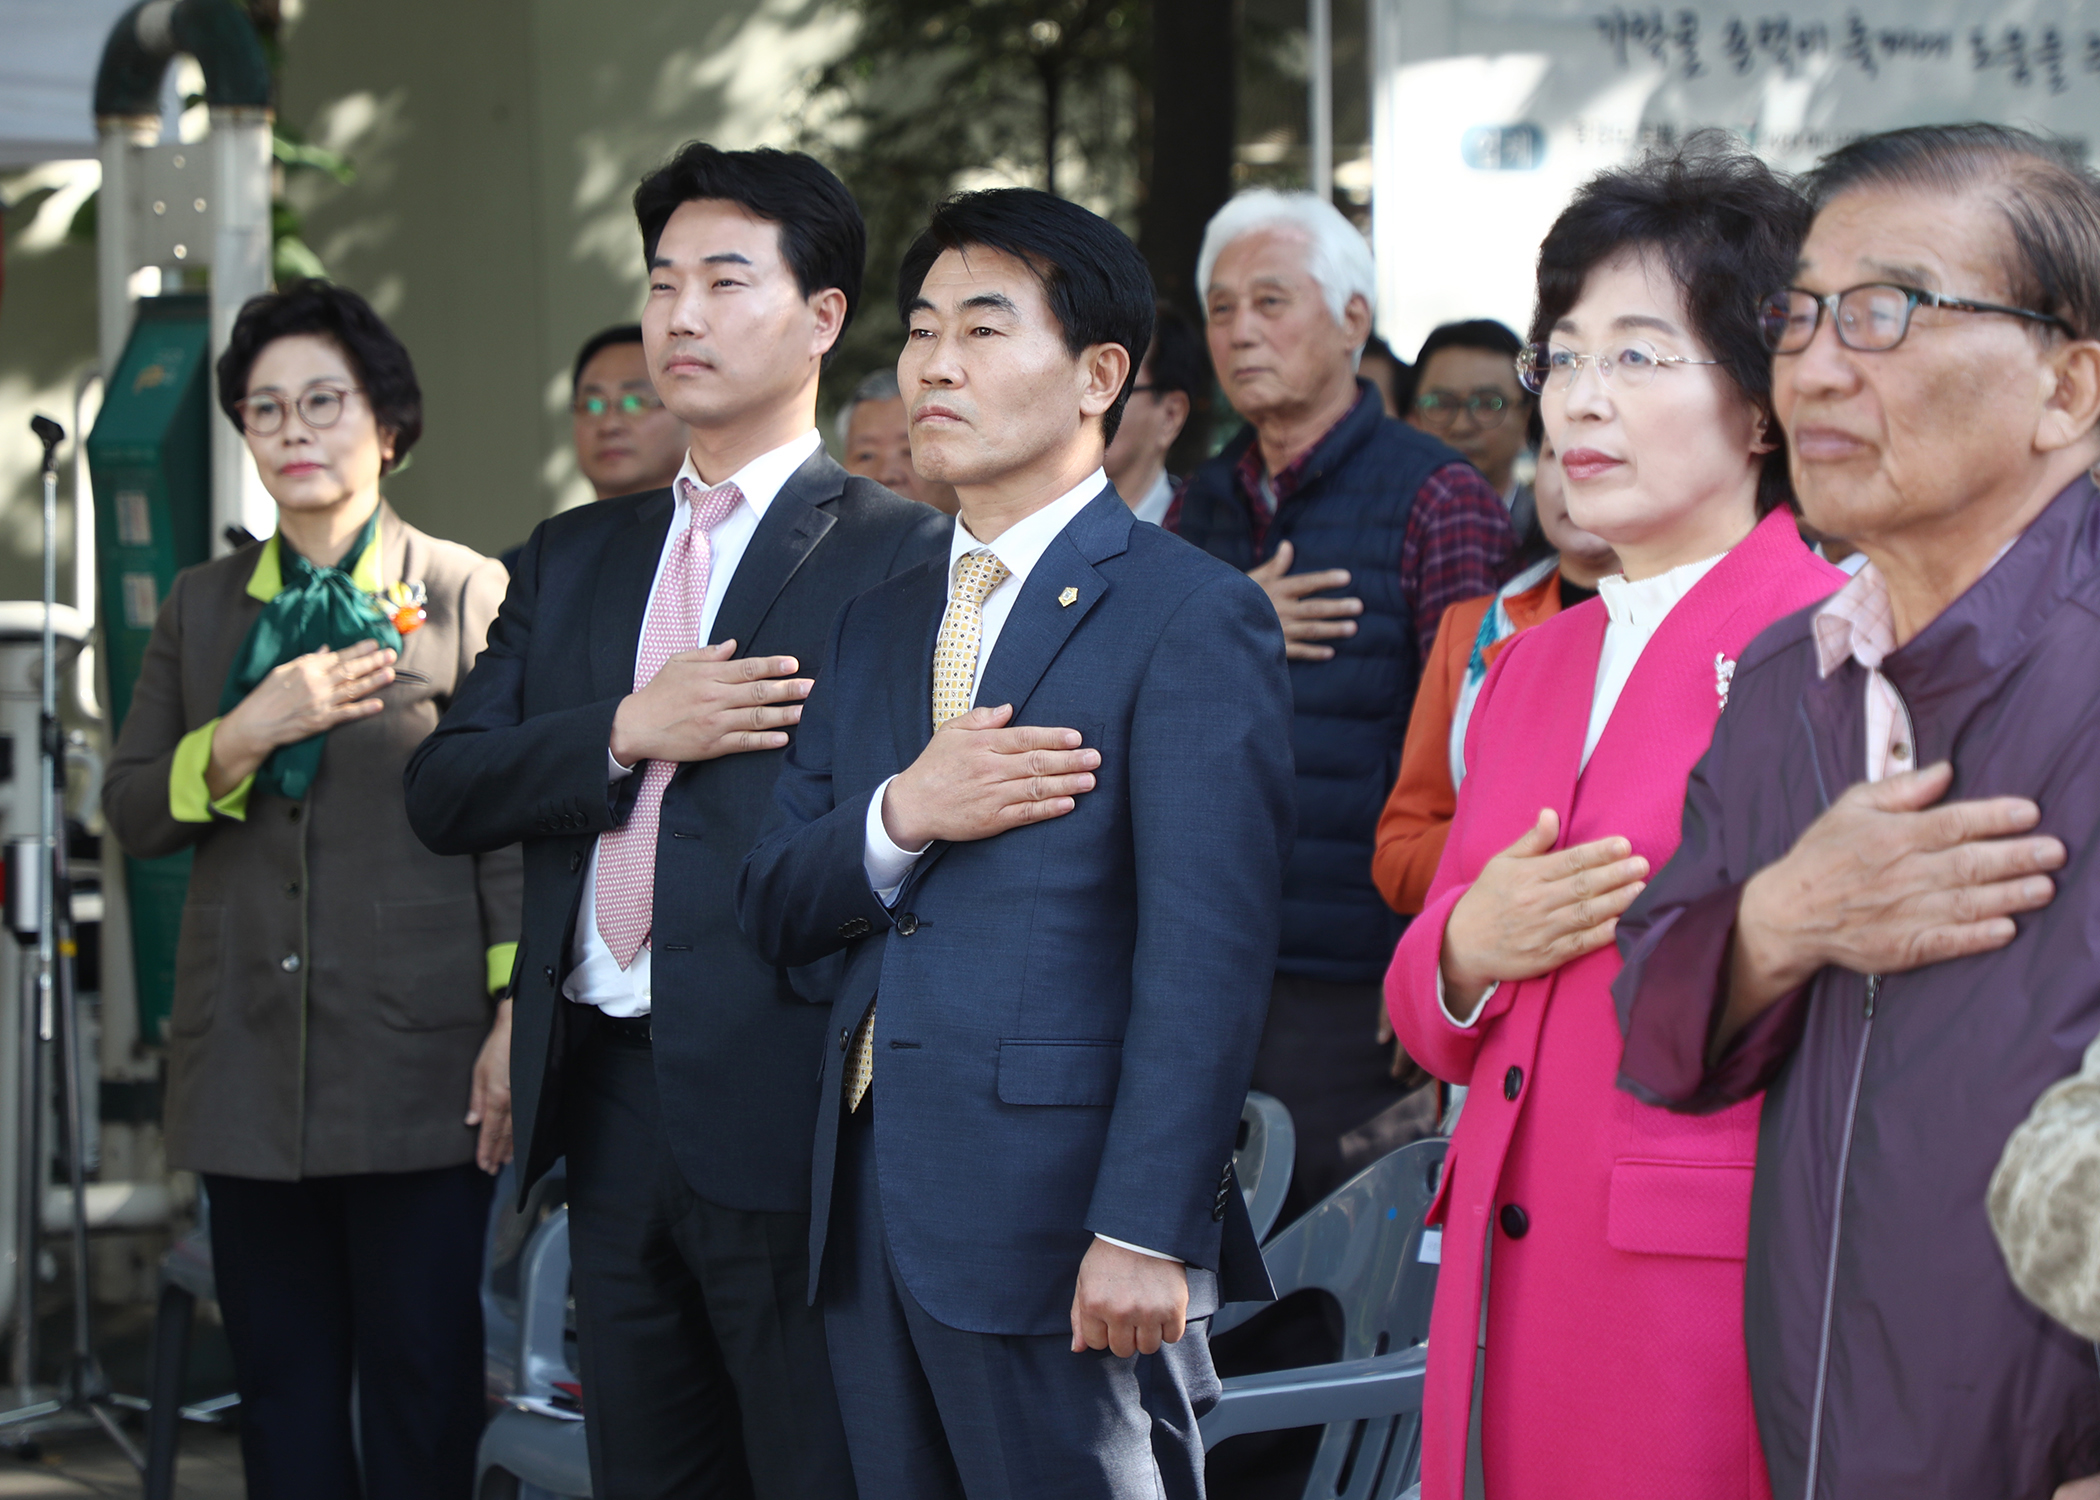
column 1636, row 611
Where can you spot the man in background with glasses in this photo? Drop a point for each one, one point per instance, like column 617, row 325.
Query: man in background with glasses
column 1466, row 393
column 626, row 442
column 1885, row 911
column 1173, row 385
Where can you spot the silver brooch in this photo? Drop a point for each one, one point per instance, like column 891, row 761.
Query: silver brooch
column 1724, row 675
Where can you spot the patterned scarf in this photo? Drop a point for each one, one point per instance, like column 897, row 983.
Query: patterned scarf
column 317, row 609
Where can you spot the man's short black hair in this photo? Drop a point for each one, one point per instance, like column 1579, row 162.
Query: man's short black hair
column 1728, row 228
column 822, row 236
column 1484, row 334
column 604, row 338
column 325, row 310
column 2041, row 184
column 1098, row 286
column 1403, row 372
column 1179, row 360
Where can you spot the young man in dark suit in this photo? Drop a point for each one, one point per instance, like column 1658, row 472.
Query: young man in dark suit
column 626, row 724
column 1040, row 799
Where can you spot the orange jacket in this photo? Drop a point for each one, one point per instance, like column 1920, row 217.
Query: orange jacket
column 1418, row 813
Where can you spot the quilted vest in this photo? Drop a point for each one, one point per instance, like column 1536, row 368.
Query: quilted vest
column 1349, row 511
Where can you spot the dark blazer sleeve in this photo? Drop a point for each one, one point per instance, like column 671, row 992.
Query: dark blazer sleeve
column 135, row 787
column 804, row 884
column 489, row 775
column 1676, row 939
column 1212, row 810
column 499, row 874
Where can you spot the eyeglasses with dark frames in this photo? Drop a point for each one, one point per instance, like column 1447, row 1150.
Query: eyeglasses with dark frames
column 1871, row 318
column 1441, row 408
column 319, row 407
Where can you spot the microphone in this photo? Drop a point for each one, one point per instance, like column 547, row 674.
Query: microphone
column 50, row 434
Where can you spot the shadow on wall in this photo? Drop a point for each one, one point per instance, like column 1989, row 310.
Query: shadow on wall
column 47, row 343
column 490, row 222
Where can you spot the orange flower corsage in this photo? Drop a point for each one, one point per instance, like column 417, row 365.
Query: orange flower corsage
column 403, row 604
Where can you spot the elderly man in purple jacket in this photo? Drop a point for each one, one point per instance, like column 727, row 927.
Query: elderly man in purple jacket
column 1886, row 908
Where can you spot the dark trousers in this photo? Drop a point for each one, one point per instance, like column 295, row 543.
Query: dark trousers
column 374, row 1278
column 703, row 1366
column 935, row 1413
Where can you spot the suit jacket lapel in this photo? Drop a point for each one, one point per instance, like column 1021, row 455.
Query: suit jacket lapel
column 1039, row 626
column 625, row 573
column 1557, row 733
column 1676, row 684
column 1041, row 622
column 793, row 525
column 911, row 690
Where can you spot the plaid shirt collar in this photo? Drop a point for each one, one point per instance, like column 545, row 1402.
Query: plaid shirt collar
column 1266, row 494
column 1855, row 622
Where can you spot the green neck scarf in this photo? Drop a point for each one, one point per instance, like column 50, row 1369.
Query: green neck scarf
column 314, row 609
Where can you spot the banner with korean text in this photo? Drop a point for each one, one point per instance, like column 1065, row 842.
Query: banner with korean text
column 1487, row 114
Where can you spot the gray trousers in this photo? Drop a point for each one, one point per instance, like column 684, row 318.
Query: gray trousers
column 934, row 1413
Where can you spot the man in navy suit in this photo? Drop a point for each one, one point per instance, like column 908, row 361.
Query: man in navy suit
column 1041, row 797
column 626, row 724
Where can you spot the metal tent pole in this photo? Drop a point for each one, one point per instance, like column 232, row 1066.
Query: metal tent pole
column 1319, row 29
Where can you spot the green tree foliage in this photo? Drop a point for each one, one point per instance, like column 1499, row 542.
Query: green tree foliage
column 937, row 95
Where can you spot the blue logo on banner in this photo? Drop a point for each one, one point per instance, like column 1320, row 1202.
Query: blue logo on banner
column 1503, row 148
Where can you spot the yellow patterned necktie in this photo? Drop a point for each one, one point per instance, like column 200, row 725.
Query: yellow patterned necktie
column 954, row 685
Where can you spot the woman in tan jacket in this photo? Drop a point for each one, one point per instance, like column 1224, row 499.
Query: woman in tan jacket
column 334, row 1041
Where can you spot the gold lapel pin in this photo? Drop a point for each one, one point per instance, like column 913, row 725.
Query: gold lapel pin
column 1068, row 598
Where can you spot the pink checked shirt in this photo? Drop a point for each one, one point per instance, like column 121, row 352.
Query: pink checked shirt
column 1857, row 622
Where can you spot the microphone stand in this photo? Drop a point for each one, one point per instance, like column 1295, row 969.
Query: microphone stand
column 40, row 910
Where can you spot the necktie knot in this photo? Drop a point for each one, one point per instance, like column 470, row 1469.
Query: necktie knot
column 710, row 507
column 977, row 574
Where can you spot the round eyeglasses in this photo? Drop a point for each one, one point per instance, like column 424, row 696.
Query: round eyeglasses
column 1869, row 318
column 628, row 404
column 319, row 406
column 1628, row 367
column 1442, row 408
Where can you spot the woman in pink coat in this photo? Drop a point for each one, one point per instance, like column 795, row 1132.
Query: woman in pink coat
column 1587, row 1341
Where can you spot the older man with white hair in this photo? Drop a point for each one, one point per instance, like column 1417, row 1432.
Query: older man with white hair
column 1362, row 530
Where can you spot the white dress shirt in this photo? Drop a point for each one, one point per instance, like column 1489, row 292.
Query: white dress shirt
column 1157, row 502
column 1635, row 611
column 1020, row 547
column 596, row 977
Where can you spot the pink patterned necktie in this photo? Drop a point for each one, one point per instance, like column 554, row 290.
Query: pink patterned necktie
column 627, row 855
